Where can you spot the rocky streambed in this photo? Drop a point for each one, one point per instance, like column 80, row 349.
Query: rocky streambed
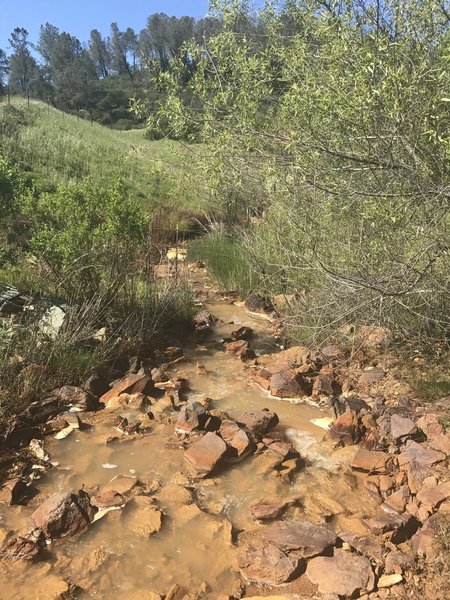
column 226, row 469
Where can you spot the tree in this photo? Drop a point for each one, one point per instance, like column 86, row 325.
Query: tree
column 119, row 51
column 100, row 53
column 4, row 70
column 23, row 68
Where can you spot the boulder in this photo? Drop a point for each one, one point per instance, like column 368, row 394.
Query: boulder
column 192, row 416
column 417, row 452
column 22, row 548
column 345, row 429
column 140, row 382
column 243, row 333
column 402, row 526
column 14, row 491
column 63, row 514
column 402, row 427
column 241, row 349
column 107, row 499
column 76, row 396
column 372, row 461
column 236, row 438
column 302, row 538
column 267, row 565
column 289, row 384
column 344, row 574
column 259, row 421
column 268, row 512
column 142, row 516
column 203, row 455
column 432, row 495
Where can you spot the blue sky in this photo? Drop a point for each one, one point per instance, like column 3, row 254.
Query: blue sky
column 78, row 17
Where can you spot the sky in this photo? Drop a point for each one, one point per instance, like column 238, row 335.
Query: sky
column 78, row 17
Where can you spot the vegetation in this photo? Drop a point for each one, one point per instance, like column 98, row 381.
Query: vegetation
column 328, row 123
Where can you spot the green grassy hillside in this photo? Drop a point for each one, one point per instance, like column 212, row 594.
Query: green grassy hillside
column 57, row 147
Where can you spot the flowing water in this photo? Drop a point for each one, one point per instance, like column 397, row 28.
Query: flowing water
column 196, row 546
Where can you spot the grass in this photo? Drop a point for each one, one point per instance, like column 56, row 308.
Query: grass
column 226, row 260
column 432, row 386
column 57, row 147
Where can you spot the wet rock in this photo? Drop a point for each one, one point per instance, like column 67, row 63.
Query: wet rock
column 204, row 319
column 63, row 514
column 140, row 382
column 302, row 538
column 344, row 574
column 163, row 409
column 432, row 495
column 241, row 349
column 289, row 384
column 345, row 430
column 267, row 565
column 372, row 461
column 268, row 512
column 203, row 455
column 14, row 491
column 121, row 484
column 193, row 416
column 77, row 397
column 142, row 516
column 418, row 453
column 236, row 438
column 402, row 427
column 107, row 499
column 23, row 548
column 243, row 333
column 259, row 421
column 96, row 385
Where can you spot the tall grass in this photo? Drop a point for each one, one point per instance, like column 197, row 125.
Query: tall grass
column 58, row 147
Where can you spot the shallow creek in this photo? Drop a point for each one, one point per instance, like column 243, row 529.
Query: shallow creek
column 197, row 543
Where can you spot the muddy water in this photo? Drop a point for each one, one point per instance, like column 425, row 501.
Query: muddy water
column 196, row 547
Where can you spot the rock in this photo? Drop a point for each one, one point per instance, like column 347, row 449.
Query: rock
column 236, row 438
column 267, row 565
column 370, row 376
column 22, row 548
column 292, row 358
column 398, row 500
column 344, row 574
column 96, row 385
column 203, row 455
column 417, row 472
column 402, row 427
column 432, row 495
column 63, row 514
column 204, row 319
column 140, row 382
column 241, row 349
column 438, row 439
column 14, row 491
column 258, row 303
column 385, row 483
column 363, row 545
column 302, row 538
column 372, row 461
column 176, row 592
column 268, row 512
column 402, row 526
column 417, row 452
column 142, row 516
column 398, row 562
column 259, row 421
column 76, row 396
column 289, row 384
column 387, row 581
column 345, row 429
column 243, row 333
column 192, row 416
column 107, row 499
column 121, row 484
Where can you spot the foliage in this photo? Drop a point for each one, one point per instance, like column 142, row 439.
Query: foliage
column 329, row 123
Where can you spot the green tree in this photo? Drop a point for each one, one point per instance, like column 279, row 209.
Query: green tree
column 100, row 54
column 4, row 70
column 23, row 68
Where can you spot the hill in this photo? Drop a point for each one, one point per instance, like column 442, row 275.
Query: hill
column 56, row 148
